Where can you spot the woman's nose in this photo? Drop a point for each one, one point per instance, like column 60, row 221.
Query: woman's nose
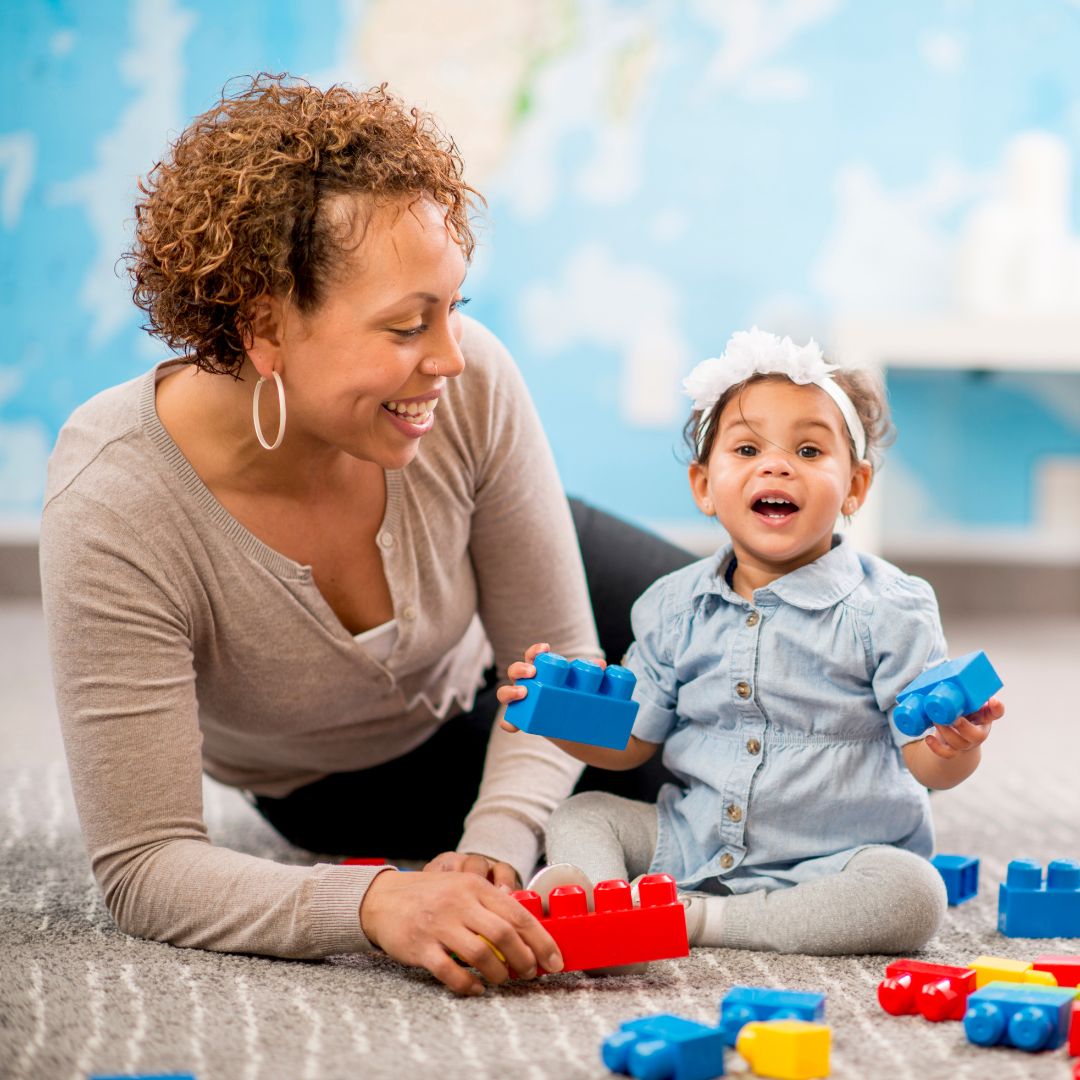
column 445, row 357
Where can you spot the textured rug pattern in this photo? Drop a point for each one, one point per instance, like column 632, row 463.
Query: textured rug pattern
column 77, row 997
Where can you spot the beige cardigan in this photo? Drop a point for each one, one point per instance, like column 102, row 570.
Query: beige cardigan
column 180, row 642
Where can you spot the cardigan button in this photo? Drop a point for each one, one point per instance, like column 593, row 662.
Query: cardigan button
column 753, row 618
column 753, row 746
column 743, row 689
column 727, row 861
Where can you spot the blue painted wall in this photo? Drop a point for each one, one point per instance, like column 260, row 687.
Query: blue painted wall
column 658, row 177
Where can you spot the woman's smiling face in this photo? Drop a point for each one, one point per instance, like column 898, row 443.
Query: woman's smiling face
column 779, row 473
column 364, row 370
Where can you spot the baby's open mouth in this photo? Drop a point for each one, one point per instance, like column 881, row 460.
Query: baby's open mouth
column 774, row 507
column 413, row 412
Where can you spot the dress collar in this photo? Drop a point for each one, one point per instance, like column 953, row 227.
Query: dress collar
column 814, row 587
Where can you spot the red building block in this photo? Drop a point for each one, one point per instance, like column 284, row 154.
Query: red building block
column 1074, row 1032
column 1066, row 969
column 936, row 991
column 363, row 862
column 614, row 932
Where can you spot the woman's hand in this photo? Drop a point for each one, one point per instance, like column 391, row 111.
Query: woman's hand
column 421, row 918
column 469, row 862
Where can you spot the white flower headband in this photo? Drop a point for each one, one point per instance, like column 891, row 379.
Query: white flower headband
column 756, row 352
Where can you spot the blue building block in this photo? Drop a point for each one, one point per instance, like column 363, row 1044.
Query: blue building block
column 579, row 701
column 1027, row 1017
column 665, row 1047
column 942, row 694
column 742, row 1004
column 1031, row 907
column 960, row 874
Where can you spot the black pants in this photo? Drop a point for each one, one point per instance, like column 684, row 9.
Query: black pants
column 414, row 806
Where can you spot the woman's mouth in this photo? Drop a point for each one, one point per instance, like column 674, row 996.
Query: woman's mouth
column 412, row 417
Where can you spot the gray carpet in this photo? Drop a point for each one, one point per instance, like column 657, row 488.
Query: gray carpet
column 77, row 997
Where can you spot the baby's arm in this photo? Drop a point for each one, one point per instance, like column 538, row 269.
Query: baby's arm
column 637, row 751
column 950, row 756
column 907, row 638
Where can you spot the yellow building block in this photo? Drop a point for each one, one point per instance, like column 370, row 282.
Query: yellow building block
column 1040, row 978
column 786, row 1049
column 990, row 969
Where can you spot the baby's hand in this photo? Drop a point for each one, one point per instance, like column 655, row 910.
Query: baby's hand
column 967, row 733
column 523, row 669
column 519, row 669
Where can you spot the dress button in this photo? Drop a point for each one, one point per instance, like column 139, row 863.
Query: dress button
column 386, row 539
column 753, row 746
column 743, row 689
column 753, row 618
column 727, row 861
column 409, row 614
column 734, row 812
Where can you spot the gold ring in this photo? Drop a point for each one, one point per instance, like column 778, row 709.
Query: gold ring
column 493, row 948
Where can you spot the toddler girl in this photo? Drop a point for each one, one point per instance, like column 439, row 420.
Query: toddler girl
column 768, row 673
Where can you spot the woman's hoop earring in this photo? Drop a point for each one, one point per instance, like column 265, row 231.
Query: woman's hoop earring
column 281, row 407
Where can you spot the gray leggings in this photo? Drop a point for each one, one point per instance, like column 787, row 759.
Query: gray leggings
column 886, row 900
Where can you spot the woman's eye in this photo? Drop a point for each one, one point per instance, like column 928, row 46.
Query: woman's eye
column 460, row 302
column 412, row 331
column 809, row 452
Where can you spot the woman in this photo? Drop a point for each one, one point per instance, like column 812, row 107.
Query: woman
column 290, row 556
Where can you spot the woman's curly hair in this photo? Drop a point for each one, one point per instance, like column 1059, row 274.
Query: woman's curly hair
column 237, row 210
column 867, row 393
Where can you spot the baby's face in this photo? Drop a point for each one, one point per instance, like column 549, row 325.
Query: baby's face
column 779, row 474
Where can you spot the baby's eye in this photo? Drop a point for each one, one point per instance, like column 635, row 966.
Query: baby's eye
column 809, row 452
column 746, row 450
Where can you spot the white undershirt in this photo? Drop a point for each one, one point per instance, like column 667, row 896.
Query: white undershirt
column 379, row 641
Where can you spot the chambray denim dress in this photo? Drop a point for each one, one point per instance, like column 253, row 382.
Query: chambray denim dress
column 775, row 716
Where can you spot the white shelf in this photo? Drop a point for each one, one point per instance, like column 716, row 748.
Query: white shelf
column 965, row 343
column 987, row 545
column 20, row 530
column 1005, row 344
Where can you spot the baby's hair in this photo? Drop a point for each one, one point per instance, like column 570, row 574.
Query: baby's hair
column 867, row 393
column 242, row 205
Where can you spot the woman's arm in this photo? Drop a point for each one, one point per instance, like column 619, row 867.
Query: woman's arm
column 530, row 582
column 126, row 694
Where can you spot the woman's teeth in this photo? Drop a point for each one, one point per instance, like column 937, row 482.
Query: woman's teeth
column 415, row 412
